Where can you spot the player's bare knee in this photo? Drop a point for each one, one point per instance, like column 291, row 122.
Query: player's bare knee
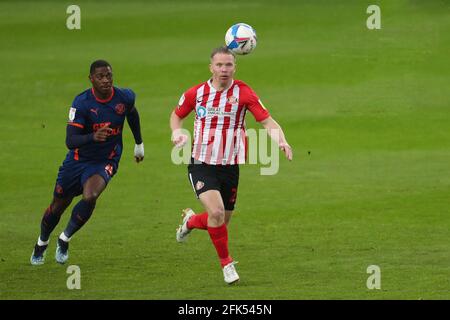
column 217, row 214
column 91, row 197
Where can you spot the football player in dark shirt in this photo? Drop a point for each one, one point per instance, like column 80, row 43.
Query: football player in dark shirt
column 94, row 139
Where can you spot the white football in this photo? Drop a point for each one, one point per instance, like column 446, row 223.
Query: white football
column 241, row 38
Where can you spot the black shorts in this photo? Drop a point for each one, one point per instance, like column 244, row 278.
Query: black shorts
column 223, row 178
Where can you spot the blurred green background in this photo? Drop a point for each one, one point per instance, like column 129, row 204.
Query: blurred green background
column 366, row 112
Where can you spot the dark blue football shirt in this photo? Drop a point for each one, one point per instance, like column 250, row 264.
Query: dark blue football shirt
column 91, row 113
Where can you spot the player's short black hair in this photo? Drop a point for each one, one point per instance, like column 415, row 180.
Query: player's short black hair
column 98, row 64
column 222, row 49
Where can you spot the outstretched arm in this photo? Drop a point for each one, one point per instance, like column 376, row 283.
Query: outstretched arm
column 135, row 126
column 276, row 133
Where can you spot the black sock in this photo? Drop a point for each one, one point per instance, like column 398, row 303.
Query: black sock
column 48, row 223
column 80, row 215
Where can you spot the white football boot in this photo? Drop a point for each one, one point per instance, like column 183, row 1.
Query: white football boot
column 183, row 231
column 229, row 273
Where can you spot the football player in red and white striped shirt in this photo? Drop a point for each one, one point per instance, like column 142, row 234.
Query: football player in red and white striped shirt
column 219, row 146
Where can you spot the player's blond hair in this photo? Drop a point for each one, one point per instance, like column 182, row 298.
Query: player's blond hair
column 223, row 50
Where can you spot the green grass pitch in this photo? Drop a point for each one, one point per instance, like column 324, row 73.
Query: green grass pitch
column 366, row 112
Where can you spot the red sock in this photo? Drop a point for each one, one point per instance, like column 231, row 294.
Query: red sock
column 219, row 237
column 198, row 221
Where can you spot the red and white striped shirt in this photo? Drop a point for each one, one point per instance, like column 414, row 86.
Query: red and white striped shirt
column 219, row 127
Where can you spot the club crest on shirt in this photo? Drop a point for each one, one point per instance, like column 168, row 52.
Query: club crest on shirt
column 232, row 100
column 120, row 108
column 72, row 112
column 199, row 185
